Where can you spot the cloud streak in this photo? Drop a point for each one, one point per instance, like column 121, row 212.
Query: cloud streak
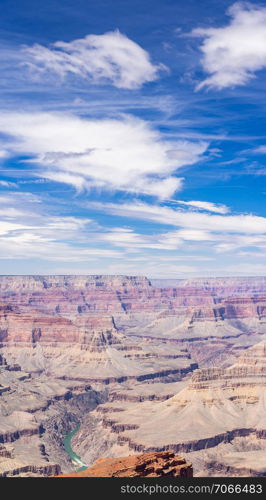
column 196, row 230
column 205, row 205
column 27, row 231
column 192, row 220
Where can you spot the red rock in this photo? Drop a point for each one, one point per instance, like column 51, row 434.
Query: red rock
column 154, row 464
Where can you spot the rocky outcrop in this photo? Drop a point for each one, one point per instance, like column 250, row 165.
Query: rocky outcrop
column 145, row 465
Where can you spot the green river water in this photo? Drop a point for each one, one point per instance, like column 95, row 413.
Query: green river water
column 75, row 459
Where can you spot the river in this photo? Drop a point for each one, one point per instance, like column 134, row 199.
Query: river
column 75, row 459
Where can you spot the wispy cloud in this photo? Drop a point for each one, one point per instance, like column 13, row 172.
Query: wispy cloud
column 121, row 154
column 28, row 230
column 3, row 153
column 234, row 53
column 191, row 220
column 205, row 205
column 260, row 150
column 8, row 184
column 111, row 58
column 196, row 230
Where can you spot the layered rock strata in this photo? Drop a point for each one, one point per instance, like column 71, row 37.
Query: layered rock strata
column 106, row 328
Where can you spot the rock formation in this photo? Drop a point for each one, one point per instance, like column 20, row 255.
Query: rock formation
column 144, row 465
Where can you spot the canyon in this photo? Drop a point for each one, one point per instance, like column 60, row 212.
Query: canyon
column 139, row 365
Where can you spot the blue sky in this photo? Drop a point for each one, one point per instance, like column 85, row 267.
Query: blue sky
column 133, row 138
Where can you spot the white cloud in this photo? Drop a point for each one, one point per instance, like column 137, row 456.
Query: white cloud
column 171, row 240
column 206, row 205
column 8, row 227
column 3, row 154
column 242, row 223
column 28, row 230
column 125, row 154
column 111, row 57
column 194, row 235
column 260, row 150
column 129, row 239
column 11, row 213
column 84, row 246
column 31, row 245
column 77, row 181
column 232, row 54
column 7, row 184
column 196, row 231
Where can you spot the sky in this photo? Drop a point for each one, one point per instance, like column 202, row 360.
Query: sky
column 133, row 137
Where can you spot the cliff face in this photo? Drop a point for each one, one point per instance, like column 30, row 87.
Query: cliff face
column 144, row 465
